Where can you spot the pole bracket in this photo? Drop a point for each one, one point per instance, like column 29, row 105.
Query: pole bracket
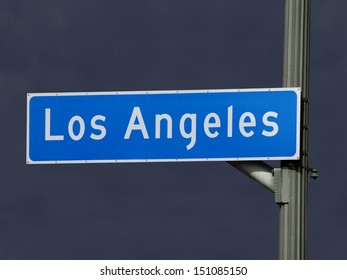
column 259, row 171
column 282, row 193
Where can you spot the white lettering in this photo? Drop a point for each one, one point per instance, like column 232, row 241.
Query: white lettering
column 192, row 133
column 158, row 119
column 208, row 124
column 250, row 123
column 48, row 136
column 71, row 130
column 268, row 123
column 230, row 121
column 136, row 115
column 99, row 127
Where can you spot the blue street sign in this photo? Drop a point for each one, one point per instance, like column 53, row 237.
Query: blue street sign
column 195, row 125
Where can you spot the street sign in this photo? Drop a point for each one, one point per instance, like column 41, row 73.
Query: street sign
column 194, row 125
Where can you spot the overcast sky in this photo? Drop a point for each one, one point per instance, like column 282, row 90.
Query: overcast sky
column 162, row 210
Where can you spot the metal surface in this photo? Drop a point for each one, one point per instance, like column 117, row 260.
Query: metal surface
column 259, row 171
column 161, row 126
column 289, row 183
column 292, row 241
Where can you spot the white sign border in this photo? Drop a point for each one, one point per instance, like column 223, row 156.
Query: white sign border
column 296, row 156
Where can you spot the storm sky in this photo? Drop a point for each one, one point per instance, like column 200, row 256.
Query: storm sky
column 162, row 210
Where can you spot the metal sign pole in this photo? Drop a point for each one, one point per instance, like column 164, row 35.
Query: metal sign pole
column 293, row 209
column 289, row 183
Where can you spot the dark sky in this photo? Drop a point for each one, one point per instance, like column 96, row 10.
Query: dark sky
column 162, row 210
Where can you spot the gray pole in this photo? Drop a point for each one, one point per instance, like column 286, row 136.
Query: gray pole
column 289, row 183
column 292, row 241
